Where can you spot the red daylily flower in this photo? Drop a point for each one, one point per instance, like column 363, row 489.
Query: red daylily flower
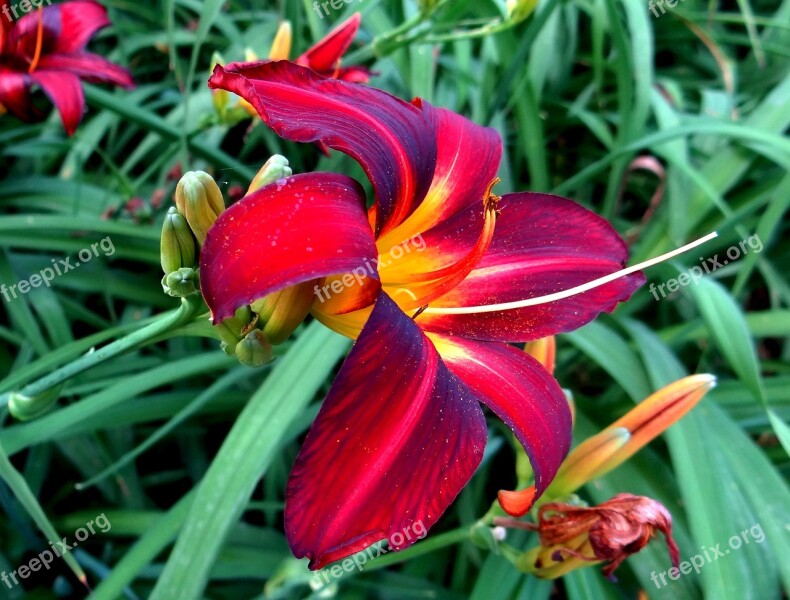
column 46, row 48
column 401, row 430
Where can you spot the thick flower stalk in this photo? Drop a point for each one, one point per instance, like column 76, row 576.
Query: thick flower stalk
column 46, row 49
column 403, row 419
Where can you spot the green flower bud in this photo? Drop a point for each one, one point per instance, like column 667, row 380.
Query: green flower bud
column 230, row 329
column 177, row 244
column 200, row 200
column 181, row 283
column 25, row 408
column 518, row 10
column 254, row 350
column 283, row 311
column 274, row 169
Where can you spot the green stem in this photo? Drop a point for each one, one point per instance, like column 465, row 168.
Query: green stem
column 450, row 538
column 487, row 30
column 173, row 320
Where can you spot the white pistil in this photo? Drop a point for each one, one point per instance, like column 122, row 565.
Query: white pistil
column 470, row 310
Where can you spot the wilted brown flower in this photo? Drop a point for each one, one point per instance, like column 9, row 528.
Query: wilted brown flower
column 572, row 536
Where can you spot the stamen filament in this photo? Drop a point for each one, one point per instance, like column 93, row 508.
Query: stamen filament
column 469, row 310
column 39, row 41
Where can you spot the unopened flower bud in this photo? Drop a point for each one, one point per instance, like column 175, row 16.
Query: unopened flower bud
column 24, row 407
column 230, row 330
column 281, row 46
column 177, row 244
column 254, row 350
column 181, row 283
column 518, row 10
column 274, row 169
column 200, row 200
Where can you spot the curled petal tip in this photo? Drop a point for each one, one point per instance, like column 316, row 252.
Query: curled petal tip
column 517, row 503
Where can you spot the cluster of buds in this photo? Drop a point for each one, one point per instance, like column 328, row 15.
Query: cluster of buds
column 250, row 333
column 574, row 535
column 198, row 204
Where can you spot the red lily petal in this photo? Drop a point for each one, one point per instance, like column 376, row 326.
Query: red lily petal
column 326, row 54
column 542, row 244
column 309, row 226
column 89, row 67
column 392, row 140
column 521, row 392
column 65, row 91
column 396, row 439
column 355, row 74
column 79, row 22
column 467, row 160
column 15, row 95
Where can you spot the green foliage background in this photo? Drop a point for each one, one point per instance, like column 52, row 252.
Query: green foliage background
column 170, row 440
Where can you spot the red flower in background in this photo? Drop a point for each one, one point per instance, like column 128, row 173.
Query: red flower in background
column 46, row 48
column 325, row 56
column 402, row 430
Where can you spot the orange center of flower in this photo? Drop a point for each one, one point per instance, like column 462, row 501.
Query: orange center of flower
column 411, row 273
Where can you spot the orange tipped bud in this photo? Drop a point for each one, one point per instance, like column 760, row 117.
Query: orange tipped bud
column 614, row 445
column 544, row 351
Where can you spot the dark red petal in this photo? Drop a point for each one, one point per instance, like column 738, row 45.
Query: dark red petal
column 89, row 67
column 65, row 92
column 542, row 244
column 396, row 440
column 326, row 54
column 521, row 392
column 295, row 230
column 467, row 161
column 79, row 22
column 15, row 95
column 393, row 140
